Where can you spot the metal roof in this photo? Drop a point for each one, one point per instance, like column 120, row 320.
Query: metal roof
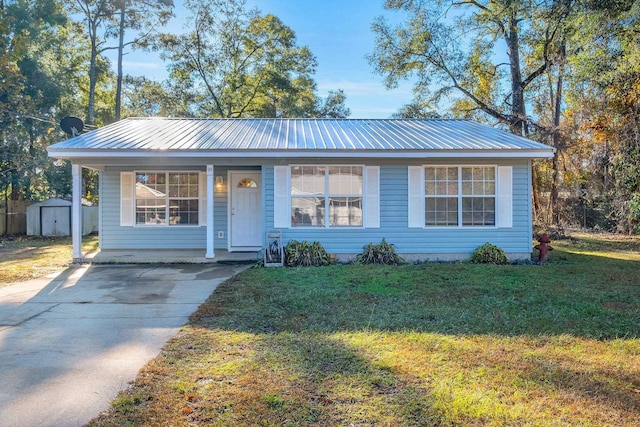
column 296, row 137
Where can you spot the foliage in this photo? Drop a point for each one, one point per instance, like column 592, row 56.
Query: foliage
column 105, row 20
column 427, row 45
column 562, row 72
column 142, row 16
column 239, row 63
column 305, row 254
column 143, row 97
column 604, row 109
column 634, row 212
column 416, row 110
column 382, row 253
column 429, row 345
column 489, row 254
column 333, row 106
column 40, row 74
column 512, row 50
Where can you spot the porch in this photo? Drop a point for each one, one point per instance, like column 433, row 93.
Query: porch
column 167, row 256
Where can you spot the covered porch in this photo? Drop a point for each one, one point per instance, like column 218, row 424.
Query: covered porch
column 214, row 190
column 167, row 256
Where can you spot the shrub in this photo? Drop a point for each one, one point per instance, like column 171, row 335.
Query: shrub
column 489, row 254
column 305, row 254
column 382, row 253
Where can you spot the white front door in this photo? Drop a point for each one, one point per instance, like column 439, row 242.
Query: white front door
column 246, row 210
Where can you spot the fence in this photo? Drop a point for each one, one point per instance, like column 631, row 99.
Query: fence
column 13, row 217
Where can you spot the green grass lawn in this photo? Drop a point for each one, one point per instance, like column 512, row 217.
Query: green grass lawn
column 415, row 345
column 27, row 257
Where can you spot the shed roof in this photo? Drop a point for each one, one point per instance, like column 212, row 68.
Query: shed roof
column 296, row 137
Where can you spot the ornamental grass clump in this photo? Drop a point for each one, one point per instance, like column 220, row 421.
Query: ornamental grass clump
column 489, row 254
column 382, row 253
column 305, row 254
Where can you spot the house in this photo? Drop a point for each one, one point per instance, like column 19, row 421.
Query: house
column 436, row 189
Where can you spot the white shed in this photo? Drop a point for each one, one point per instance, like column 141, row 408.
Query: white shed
column 53, row 218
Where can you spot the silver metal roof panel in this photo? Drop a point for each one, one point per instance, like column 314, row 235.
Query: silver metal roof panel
column 395, row 137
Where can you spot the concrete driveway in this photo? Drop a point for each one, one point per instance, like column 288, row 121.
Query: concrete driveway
column 69, row 344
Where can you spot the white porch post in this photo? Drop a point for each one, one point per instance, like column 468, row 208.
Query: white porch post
column 76, row 211
column 210, row 196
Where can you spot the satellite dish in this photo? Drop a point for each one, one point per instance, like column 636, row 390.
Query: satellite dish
column 72, row 125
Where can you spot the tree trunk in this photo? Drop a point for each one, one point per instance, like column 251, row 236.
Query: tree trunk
column 518, row 124
column 91, row 114
column 517, row 91
column 15, row 188
column 120, row 49
column 534, row 191
column 557, row 139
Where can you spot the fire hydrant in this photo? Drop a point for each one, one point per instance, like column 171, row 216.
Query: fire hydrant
column 544, row 247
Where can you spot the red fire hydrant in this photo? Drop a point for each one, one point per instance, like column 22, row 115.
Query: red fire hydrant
column 544, row 247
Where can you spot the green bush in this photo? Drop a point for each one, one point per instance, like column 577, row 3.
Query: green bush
column 305, row 254
column 382, row 253
column 489, row 254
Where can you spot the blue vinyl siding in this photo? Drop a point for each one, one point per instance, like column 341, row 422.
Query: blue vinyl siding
column 393, row 217
column 113, row 236
column 430, row 241
column 220, row 218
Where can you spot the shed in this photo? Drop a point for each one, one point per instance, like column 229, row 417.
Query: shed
column 53, row 218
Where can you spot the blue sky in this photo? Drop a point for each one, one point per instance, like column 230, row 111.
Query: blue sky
column 338, row 33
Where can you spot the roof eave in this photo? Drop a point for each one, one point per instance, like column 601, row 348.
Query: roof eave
column 261, row 154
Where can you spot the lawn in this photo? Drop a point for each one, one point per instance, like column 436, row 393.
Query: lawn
column 25, row 257
column 415, row 345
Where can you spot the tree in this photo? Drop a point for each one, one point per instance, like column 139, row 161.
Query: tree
column 333, row 106
column 143, row 97
column 137, row 15
column 107, row 19
column 238, row 63
column 603, row 105
column 96, row 14
column 511, row 46
column 39, row 84
column 416, row 110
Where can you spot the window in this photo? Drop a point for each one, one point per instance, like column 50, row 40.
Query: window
column 457, row 195
column 247, row 183
column 326, row 196
column 166, row 198
column 441, row 195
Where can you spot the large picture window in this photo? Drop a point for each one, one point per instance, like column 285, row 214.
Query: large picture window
column 326, row 196
column 166, row 198
column 457, row 195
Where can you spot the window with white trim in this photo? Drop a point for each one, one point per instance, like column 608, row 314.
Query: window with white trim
column 326, row 196
column 166, row 198
column 460, row 195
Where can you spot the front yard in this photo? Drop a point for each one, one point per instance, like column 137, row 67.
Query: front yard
column 24, row 257
column 415, row 345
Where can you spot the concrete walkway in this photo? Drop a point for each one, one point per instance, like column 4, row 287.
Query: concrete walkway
column 70, row 343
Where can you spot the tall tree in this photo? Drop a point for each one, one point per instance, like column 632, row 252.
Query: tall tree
column 106, row 21
column 40, row 85
column 98, row 16
column 239, row 63
column 486, row 55
column 333, row 106
column 604, row 110
column 144, row 97
column 142, row 16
